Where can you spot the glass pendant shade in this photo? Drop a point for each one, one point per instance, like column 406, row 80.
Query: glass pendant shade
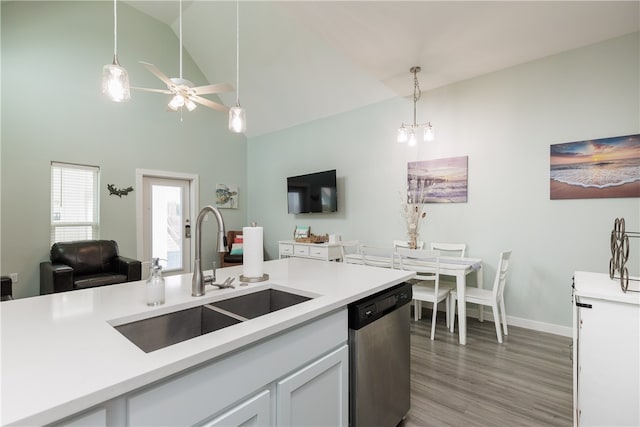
column 428, row 133
column 237, row 119
column 412, row 139
column 403, row 135
column 115, row 82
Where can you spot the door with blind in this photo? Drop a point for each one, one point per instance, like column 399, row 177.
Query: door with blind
column 166, row 223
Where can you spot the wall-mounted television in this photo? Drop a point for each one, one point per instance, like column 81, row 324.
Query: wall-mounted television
column 312, row 193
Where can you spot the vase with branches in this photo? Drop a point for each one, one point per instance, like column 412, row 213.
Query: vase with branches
column 413, row 211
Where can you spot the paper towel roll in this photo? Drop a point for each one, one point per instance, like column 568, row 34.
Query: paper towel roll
column 253, row 255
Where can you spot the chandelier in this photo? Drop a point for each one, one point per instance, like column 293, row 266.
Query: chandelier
column 407, row 132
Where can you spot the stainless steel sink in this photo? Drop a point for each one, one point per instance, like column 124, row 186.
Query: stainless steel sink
column 168, row 329
column 260, row 303
column 162, row 331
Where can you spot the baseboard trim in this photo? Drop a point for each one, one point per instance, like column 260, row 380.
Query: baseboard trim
column 535, row 325
column 565, row 331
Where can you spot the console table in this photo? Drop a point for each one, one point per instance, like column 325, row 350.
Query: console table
column 321, row 251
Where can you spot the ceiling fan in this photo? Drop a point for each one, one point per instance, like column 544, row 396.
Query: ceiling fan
column 185, row 94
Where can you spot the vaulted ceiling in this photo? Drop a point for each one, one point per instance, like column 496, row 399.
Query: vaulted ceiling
column 304, row 60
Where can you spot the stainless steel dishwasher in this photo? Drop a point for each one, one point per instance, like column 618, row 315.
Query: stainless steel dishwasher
column 379, row 360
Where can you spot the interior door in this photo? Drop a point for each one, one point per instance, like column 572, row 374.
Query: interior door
column 166, row 227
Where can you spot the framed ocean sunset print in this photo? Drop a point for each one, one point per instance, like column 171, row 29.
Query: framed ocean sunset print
column 598, row 168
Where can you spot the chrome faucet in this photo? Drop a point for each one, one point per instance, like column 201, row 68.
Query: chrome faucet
column 199, row 280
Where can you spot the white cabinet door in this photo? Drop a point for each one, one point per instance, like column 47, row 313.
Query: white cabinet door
column 316, row 395
column 253, row 412
column 608, row 370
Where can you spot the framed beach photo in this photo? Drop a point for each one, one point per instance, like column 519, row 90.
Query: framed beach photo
column 438, row 181
column 597, row 168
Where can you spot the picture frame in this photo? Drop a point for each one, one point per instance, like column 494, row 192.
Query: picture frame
column 595, row 168
column 302, row 231
column 438, row 180
column 226, row 196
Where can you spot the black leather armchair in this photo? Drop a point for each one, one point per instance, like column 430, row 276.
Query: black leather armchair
column 86, row 264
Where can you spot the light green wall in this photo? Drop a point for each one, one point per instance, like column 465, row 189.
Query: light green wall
column 505, row 122
column 52, row 109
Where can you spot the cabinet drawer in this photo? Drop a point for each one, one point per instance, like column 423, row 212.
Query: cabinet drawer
column 301, row 250
column 318, row 252
column 286, row 249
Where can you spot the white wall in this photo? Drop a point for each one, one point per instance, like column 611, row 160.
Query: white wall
column 505, row 122
column 52, row 109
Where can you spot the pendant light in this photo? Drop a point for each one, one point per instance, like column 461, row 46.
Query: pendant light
column 237, row 115
column 115, row 79
column 407, row 132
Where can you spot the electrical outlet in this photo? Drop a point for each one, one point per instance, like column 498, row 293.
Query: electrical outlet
column 14, row 277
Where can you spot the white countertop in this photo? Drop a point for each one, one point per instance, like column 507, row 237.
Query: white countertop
column 61, row 355
column 600, row 286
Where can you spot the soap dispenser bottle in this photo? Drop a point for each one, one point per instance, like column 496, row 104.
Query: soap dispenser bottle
column 155, row 284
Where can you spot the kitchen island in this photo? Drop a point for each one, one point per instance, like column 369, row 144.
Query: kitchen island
column 64, row 361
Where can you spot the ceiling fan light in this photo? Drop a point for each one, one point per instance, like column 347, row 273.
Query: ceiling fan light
column 237, row 119
column 115, row 82
column 190, row 104
column 176, row 102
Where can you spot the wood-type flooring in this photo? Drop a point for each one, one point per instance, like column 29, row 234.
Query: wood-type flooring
column 526, row 381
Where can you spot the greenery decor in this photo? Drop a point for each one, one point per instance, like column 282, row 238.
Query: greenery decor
column 113, row 191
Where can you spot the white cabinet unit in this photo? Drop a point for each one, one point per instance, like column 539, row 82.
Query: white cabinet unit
column 234, row 390
column 322, row 251
column 325, row 381
column 606, row 351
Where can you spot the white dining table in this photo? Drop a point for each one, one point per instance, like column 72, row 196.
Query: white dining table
column 456, row 267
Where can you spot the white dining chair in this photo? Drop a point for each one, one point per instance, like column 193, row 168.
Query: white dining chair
column 450, row 249
column 350, row 247
column 405, row 244
column 423, row 290
column 493, row 298
column 378, row 257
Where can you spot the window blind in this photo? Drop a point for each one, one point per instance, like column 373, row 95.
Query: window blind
column 74, row 202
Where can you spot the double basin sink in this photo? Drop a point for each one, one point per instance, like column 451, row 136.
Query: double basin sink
column 162, row 331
